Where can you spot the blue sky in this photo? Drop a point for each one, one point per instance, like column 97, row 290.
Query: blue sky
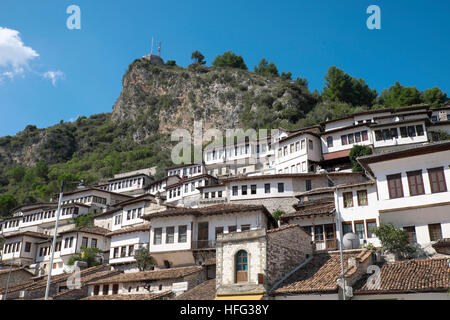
column 304, row 37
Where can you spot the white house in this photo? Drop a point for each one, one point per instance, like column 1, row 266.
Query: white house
column 186, row 192
column 412, row 190
column 133, row 184
column 185, row 236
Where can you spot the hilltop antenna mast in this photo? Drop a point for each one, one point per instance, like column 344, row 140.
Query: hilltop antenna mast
column 159, row 49
column 151, row 51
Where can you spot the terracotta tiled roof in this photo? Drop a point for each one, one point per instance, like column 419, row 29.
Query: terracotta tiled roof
column 282, row 228
column 138, row 228
column 411, row 276
column 337, row 154
column 162, row 274
column 326, row 209
column 92, row 230
column 36, row 284
column 320, row 274
column 144, row 296
column 209, row 210
column 204, row 291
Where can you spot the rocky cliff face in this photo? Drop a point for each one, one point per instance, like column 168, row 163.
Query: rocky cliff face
column 165, row 98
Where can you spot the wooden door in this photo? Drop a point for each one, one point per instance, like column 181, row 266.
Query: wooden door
column 202, row 235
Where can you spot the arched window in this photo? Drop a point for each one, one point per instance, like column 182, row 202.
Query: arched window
column 241, row 266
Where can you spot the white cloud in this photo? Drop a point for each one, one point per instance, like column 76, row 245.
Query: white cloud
column 14, row 55
column 54, row 76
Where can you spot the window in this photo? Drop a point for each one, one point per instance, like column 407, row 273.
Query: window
column 192, row 186
column 419, row 130
column 415, row 183
column 297, row 146
column 157, row 238
column 359, row 229
column 308, row 185
column 235, row 191
column 362, row 198
column 318, row 233
column 244, row 190
column 403, row 132
column 219, row 194
column 232, row 228
column 329, row 142
column 346, row 227
column 105, row 289
column 170, row 234
column 435, row 231
column 344, row 140
column 267, row 188
column 411, row 131
column 96, row 290
column 303, row 144
column 213, row 194
column 437, row 180
column 412, row 234
column 357, row 136
column 186, row 188
column 280, row 153
column 394, row 133
column 219, row 230
column 182, row 234
column 280, row 187
column 395, row 186
column 351, row 138
column 123, row 252
column 27, row 246
column 311, row 144
column 364, row 135
column 115, row 289
column 93, row 243
column 130, row 250
column 291, row 148
column 378, row 135
column 129, row 215
column 116, row 252
column 206, row 195
column 348, row 199
column 84, row 242
column 253, row 189
column 371, row 226
column 245, row 227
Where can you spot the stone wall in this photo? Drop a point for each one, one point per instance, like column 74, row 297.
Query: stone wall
column 17, row 277
column 287, row 247
column 272, row 204
column 227, row 246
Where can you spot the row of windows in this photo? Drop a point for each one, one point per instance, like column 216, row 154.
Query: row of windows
column 350, row 138
column 253, row 188
column 360, row 228
column 436, row 179
column 124, row 251
column 170, row 235
column 50, row 214
column 85, row 242
column 11, row 247
column 361, row 196
column 298, row 168
column 176, row 192
column 127, row 184
column 156, row 187
column 192, row 170
column 87, row 199
column 434, row 231
column 213, row 194
column 10, row 224
column 392, row 133
column 295, row 147
column 235, row 151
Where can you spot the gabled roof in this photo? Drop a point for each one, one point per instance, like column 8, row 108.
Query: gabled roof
column 139, row 228
column 32, row 234
column 163, row 274
column 210, row 210
column 91, row 230
column 410, row 277
column 143, row 296
column 204, row 291
column 320, row 274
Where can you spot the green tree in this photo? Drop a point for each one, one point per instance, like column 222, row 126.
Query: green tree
column 89, row 255
column 17, row 173
column 434, row 97
column 85, row 220
column 198, row 58
column 394, row 240
column 286, row 75
column 143, row 258
column 229, row 60
column 171, row 63
column 266, row 68
column 7, row 203
column 399, row 96
column 42, row 169
column 358, row 151
column 277, row 214
column 340, row 86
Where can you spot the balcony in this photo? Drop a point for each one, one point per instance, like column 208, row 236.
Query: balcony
column 203, row 244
